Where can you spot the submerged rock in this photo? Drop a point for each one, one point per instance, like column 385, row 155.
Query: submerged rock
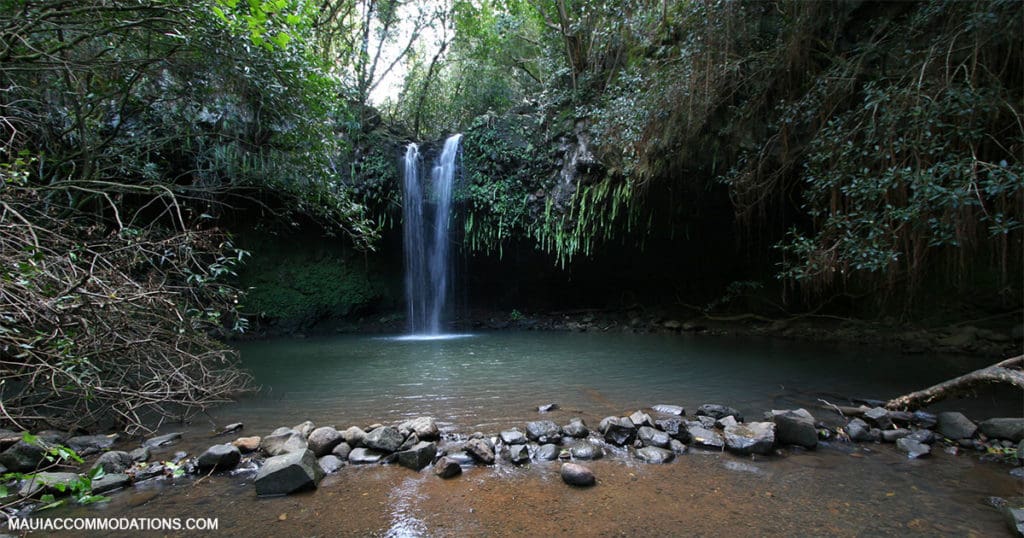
column 418, row 456
column 795, row 427
column 220, row 457
column 543, row 431
column 323, row 440
column 954, row 425
column 447, row 468
column 547, row 408
column 653, row 454
column 288, row 473
column 384, row 438
column 575, row 474
column 752, row 438
column 717, row 411
column 666, row 409
column 161, row 440
column 110, row 482
column 912, row 448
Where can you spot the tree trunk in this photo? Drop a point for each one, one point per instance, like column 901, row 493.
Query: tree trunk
column 1007, row 371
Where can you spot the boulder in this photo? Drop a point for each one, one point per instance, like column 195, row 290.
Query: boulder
column 653, row 454
column 518, row 453
column 795, row 427
column 289, row 473
column 546, row 452
column 248, row 444
column 363, row 455
column 649, row 436
column 140, row 455
column 114, row 461
column 666, row 409
column 46, row 482
column 878, row 417
column 675, row 428
column 409, row 442
column 283, row 441
column 447, row 468
column 912, row 448
column 677, row 447
column 954, row 425
column 858, row 430
column 323, row 440
column 1011, row 429
column 22, row 457
column 575, row 474
column 923, row 436
column 161, row 440
column 220, row 457
column 717, row 411
column 86, row 445
column 752, row 438
column 425, row 428
column 330, row 463
column 576, row 428
column 923, row 419
column 618, row 431
column 353, row 436
column 543, row 431
column 110, row 482
column 341, row 451
column 704, row 437
column 305, row 428
column 584, row 450
column 513, row 437
column 480, row 450
column 385, row 439
column 639, row 418
column 725, row 422
column 418, row 456
column 1014, row 517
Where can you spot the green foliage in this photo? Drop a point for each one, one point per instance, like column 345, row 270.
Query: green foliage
column 79, row 489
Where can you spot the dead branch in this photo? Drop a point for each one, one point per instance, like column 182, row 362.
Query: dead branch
column 1003, row 372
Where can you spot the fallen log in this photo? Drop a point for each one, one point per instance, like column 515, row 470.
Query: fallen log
column 1004, row 372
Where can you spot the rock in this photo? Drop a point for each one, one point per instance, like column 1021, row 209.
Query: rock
column 518, row 453
column 341, row 451
column 546, row 452
column 323, row 440
column 653, row 454
column 878, row 417
column 47, row 482
column 447, row 468
column 8, row 438
column 707, row 422
column 795, row 427
column 1011, row 429
column 110, row 482
column 575, row 474
column 693, row 326
column 576, row 428
column 672, row 325
column 675, row 428
column 584, row 450
column 513, row 437
column 140, row 455
column 639, row 418
column 891, row 436
column 677, row 447
column 704, row 437
column 752, row 438
column 418, row 456
column 725, row 422
column 547, row 408
column 619, row 431
column 288, row 473
column 543, row 431
column 161, row 440
column 480, row 450
column 1017, row 472
column 247, row 444
column 114, row 461
column 86, row 445
column 954, row 425
column 912, row 448
column 364, row 455
column 425, row 428
column 858, row 430
column 22, row 457
column 305, row 428
column 460, row 456
column 1020, row 451
column 901, row 417
column 924, row 419
column 283, row 441
column 353, row 436
column 717, row 411
column 220, row 457
column 1014, row 519
column 922, row 436
column 385, row 438
column 652, row 437
column 666, row 409
column 330, row 463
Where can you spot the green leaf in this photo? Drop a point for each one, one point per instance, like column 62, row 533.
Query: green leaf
column 220, row 13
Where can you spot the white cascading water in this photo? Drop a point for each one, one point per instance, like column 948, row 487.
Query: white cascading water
column 427, row 268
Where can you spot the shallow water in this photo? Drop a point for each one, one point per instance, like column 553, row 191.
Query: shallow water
column 490, row 382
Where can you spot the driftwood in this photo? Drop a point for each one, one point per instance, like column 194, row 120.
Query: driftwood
column 1007, row 371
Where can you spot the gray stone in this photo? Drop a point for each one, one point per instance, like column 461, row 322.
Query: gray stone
column 639, row 418
column 677, row 447
column 795, row 427
column 283, row 441
column 752, row 438
column 409, row 442
column 717, row 411
column 425, row 428
column 858, row 430
column 22, row 457
column 891, row 436
column 546, row 452
column 323, row 440
column 707, row 422
column 305, row 428
column 384, row 438
column 220, row 457
column 288, row 473
column 653, row 454
column 954, row 425
column 619, row 431
column 725, row 422
column 447, row 468
column 513, row 437
column 460, row 457
column 161, row 440
column 341, row 451
column 652, row 437
column 1011, row 429
column 543, row 431
column 675, row 428
column 353, row 436
column 114, row 461
column 923, row 419
column 547, row 408
column 330, row 463
column 86, row 445
column 140, row 455
column 575, row 474
column 1014, row 519
column 480, row 450
column 46, row 482
column 418, row 456
column 363, row 455
column 666, row 409
column 518, row 453
column 878, row 417
column 110, row 482
column 912, row 448
column 704, row 437
column 584, row 450
column 576, row 428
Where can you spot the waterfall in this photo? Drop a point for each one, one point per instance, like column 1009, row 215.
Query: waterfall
column 427, row 267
